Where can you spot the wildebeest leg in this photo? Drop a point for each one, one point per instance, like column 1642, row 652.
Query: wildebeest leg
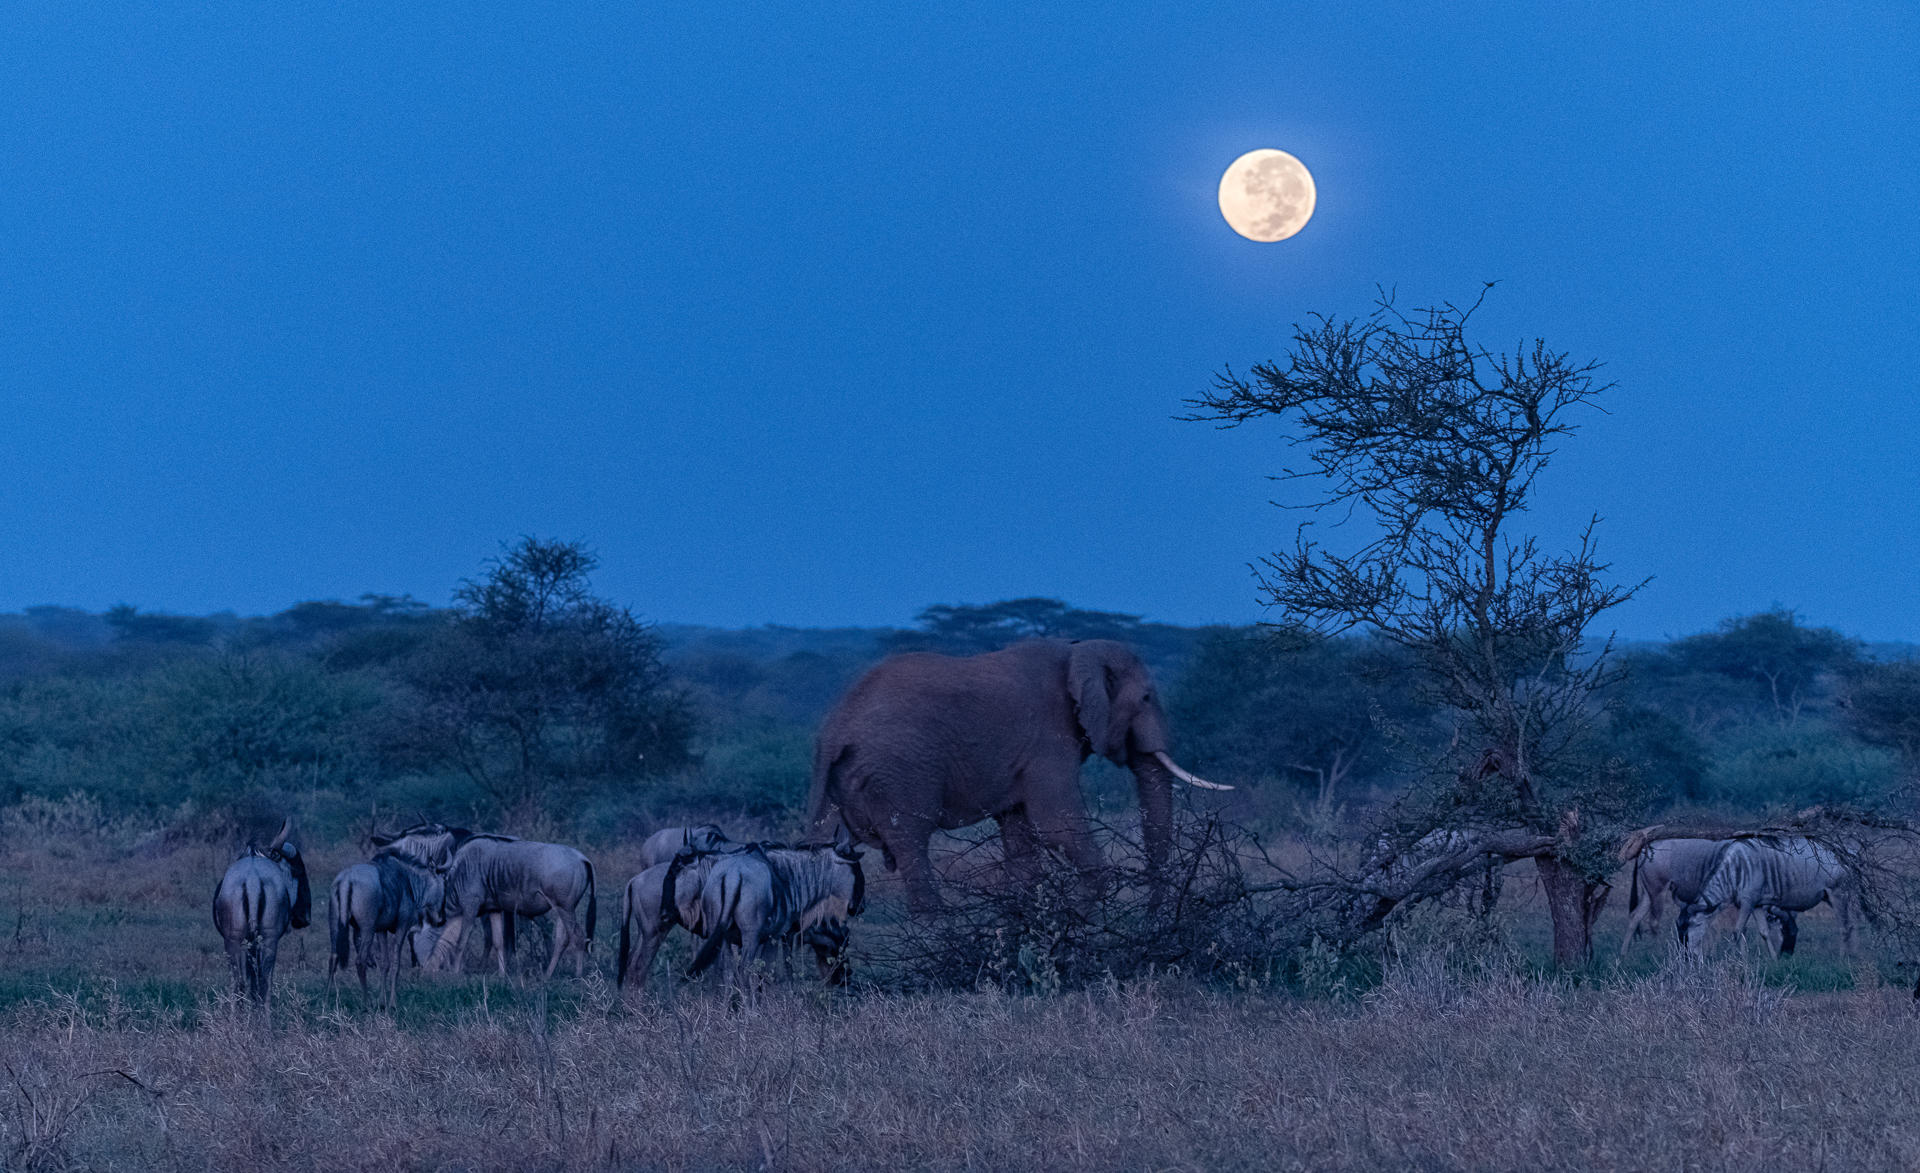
column 497, row 926
column 644, row 947
column 269, row 949
column 390, row 993
column 1743, row 916
column 237, row 961
column 1843, row 908
column 1645, row 918
column 749, row 964
column 362, row 935
column 564, row 934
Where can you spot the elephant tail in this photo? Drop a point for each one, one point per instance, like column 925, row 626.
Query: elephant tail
column 829, row 759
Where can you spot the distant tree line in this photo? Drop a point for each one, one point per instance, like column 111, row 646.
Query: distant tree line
column 533, row 693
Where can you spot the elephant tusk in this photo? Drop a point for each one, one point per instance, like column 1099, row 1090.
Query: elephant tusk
column 1181, row 774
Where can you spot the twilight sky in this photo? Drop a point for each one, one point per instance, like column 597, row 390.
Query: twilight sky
column 817, row 314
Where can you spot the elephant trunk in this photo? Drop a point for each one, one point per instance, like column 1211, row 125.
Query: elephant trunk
column 1155, row 785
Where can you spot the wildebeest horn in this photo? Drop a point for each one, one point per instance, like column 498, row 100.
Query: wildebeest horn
column 1181, row 774
column 286, row 828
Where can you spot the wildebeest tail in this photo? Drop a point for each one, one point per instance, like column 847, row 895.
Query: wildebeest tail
column 337, row 921
column 717, row 931
column 593, row 904
column 1633, row 886
column 669, row 904
column 340, row 938
column 626, row 922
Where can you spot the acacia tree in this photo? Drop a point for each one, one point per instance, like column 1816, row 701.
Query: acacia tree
column 1434, row 444
column 537, row 683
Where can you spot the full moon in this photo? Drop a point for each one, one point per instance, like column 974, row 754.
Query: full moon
column 1267, row 195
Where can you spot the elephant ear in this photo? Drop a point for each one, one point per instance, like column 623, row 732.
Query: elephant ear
column 1092, row 702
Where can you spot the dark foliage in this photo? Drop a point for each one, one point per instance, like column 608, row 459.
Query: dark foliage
column 1222, row 921
column 1311, row 714
column 538, row 684
column 1773, row 654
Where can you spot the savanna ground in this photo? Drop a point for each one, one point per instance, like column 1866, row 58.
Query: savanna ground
column 122, row 1050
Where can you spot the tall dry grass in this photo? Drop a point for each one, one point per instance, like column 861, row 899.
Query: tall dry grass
column 1689, row 1069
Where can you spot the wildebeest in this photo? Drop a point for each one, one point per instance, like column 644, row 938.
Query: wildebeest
column 664, row 844
column 1785, row 873
column 1678, row 868
column 773, row 896
column 386, row 896
column 263, row 894
column 668, row 894
column 498, row 877
column 432, row 845
column 648, row 912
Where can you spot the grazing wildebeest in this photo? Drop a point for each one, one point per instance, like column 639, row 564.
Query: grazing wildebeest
column 776, row 895
column 665, row 895
column 387, row 896
column 263, row 894
column 1786, row 874
column 648, row 913
column 497, row 877
column 664, row 844
column 1678, row 868
column 432, row 845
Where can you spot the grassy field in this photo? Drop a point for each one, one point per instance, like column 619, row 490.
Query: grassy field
column 122, row 1051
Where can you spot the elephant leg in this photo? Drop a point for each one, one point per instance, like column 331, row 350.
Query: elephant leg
column 906, row 844
column 1069, row 833
column 1020, row 848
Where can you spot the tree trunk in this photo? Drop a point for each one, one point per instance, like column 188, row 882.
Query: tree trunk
column 1574, row 902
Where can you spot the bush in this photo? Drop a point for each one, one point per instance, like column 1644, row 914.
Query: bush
column 1799, row 765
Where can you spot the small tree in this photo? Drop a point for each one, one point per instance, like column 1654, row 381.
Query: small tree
column 536, row 682
column 1772, row 652
column 1437, row 443
column 1255, row 707
column 1883, row 707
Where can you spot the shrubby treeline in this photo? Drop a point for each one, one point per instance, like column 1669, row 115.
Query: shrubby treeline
column 533, row 698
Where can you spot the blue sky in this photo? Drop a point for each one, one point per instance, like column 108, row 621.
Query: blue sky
column 818, row 314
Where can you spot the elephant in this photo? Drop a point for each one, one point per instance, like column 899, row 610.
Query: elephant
column 925, row 741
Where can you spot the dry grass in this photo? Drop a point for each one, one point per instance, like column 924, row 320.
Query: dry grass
column 121, row 1053
column 1695, row 1071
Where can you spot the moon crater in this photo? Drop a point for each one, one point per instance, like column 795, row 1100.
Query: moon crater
column 1267, row 195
